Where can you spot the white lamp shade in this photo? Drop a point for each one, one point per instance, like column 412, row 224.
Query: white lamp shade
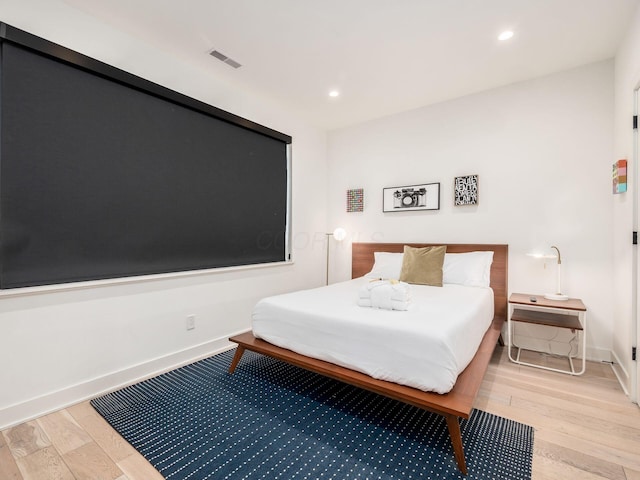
column 541, row 255
column 339, row 234
column 558, row 295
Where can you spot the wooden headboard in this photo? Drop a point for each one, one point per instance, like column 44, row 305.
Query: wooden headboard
column 362, row 263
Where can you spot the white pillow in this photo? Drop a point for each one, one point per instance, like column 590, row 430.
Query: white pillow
column 472, row 269
column 386, row 265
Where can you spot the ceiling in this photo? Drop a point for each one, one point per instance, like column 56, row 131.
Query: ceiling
column 384, row 56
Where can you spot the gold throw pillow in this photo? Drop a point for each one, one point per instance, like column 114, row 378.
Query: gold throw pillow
column 423, row 266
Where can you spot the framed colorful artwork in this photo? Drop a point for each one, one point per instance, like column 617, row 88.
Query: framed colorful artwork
column 355, row 200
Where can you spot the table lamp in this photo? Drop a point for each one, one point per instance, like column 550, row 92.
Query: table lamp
column 558, row 295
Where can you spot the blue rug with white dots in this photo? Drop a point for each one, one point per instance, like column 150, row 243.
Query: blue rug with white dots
column 271, row 420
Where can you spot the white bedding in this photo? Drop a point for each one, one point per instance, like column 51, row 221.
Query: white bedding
column 425, row 347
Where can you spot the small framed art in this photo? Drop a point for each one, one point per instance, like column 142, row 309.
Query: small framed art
column 465, row 190
column 355, row 200
column 620, row 176
column 411, row 197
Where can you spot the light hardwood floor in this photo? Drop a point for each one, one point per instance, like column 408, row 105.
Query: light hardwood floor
column 585, row 428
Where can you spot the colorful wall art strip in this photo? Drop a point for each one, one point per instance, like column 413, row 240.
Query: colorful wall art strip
column 620, row 176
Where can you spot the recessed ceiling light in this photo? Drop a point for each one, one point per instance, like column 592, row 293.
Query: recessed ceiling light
column 334, row 93
column 506, row 35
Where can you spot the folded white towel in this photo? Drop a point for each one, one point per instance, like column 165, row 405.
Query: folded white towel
column 385, row 294
column 398, row 290
column 395, row 304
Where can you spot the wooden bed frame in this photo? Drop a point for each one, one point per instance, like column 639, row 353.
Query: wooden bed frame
column 453, row 405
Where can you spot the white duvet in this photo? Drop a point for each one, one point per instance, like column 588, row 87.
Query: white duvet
column 425, row 347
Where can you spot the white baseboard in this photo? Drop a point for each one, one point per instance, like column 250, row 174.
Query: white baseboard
column 621, row 373
column 597, row 354
column 53, row 401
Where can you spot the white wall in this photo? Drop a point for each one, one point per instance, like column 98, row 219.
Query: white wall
column 58, row 348
column 542, row 150
column 627, row 79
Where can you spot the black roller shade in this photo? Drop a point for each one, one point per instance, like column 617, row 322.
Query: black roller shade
column 102, row 177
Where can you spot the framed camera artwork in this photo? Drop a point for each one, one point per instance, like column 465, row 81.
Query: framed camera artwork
column 411, row 197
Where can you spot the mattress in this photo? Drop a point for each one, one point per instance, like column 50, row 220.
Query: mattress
column 425, row 347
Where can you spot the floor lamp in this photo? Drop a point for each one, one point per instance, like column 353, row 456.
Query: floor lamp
column 338, row 234
column 558, row 295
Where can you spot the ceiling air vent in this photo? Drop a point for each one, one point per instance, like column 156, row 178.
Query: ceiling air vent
column 223, row 58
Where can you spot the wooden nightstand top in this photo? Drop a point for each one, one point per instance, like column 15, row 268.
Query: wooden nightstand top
column 524, row 299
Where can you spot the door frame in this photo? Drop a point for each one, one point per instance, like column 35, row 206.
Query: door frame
column 635, row 320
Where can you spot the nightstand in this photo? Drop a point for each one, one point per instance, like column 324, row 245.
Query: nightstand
column 570, row 314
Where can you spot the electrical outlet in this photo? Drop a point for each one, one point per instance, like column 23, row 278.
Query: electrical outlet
column 191, row 322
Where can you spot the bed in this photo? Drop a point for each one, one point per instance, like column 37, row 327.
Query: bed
column 455, row 404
